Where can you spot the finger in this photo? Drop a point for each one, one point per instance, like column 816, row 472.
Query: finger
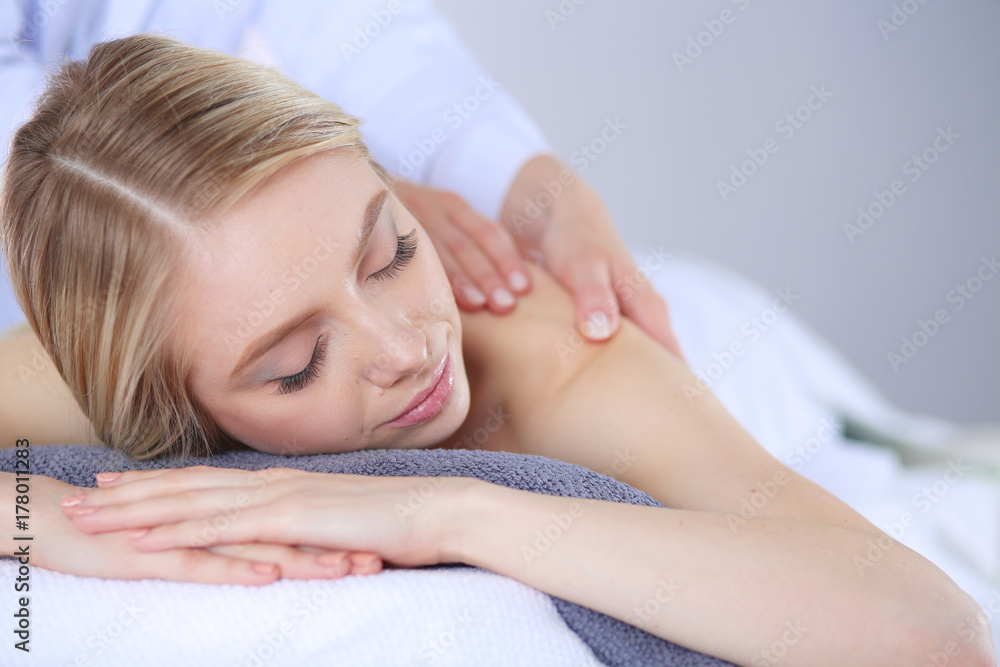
column 477, row 267
column 295, row 562
column 217, row 503
column 597, row 314
column 467, row 295
column 248, row 526
column 136, row 485
column 497, row 243
column 202, row 566
column 363, row 562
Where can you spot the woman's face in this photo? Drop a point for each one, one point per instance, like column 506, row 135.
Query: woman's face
column 300, row 349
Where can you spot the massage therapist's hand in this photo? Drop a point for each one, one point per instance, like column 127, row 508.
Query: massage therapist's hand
column 62, row 546
column 572, row 235
column 553, row 214
column 211, row 506
column 479, row 257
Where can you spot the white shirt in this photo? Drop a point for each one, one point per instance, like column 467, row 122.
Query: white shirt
column 430, row 113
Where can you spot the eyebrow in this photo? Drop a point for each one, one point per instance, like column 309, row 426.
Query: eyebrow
column 260, row 346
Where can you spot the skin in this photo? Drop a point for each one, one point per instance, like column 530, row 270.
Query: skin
column 573, row 235
column 796, row 552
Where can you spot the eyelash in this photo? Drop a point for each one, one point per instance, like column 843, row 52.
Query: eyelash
column 406, row 247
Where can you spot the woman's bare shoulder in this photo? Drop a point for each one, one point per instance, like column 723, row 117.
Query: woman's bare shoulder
column 536, row 342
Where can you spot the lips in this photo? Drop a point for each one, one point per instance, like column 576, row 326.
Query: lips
column 430, row 400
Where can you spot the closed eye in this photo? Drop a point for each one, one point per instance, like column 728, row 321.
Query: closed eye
column 307, row 375
column 406, row 248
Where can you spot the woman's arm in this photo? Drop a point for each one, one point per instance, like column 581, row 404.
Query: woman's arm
column 758, row 543
column 770, row 588
column 35, row 402
column 774, row 585
column 59, row 544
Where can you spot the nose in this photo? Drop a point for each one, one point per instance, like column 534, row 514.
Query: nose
column 399, row 349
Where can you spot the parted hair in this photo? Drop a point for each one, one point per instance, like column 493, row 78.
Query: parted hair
column 125, row 152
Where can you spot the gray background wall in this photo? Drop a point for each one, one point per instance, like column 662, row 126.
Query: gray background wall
column 687, row 126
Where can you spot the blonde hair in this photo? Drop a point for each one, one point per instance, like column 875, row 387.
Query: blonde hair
column 124, row 152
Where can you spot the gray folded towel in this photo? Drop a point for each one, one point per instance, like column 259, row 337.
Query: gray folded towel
column 613, row 642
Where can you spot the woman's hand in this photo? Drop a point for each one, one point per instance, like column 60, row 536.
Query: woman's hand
column 206, row 506
column 61, row 546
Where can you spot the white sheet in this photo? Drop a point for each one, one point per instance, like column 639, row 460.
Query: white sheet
column 399, row 617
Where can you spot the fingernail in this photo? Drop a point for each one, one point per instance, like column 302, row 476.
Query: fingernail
column 83, row 511
column 473, row 295
column 139, row 532
column 502, row 297
column 107, row 476
column 264, row 568
column 69, row 501
column 597, row 326
column 518, row 281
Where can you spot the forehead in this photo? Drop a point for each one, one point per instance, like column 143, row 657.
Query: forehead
column 238, row 266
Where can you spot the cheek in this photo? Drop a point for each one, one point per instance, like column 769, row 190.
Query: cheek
column 313, row 421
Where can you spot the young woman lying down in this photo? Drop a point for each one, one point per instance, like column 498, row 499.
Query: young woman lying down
column 162, row 193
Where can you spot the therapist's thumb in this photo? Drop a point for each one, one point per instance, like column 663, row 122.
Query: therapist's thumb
column 597, row 310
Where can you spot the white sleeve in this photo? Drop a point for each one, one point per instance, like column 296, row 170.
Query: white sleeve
column 431, row 113
column 21, row 70
column 21, row 78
